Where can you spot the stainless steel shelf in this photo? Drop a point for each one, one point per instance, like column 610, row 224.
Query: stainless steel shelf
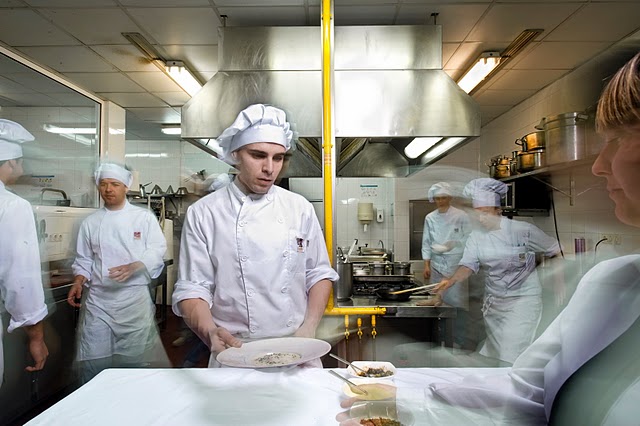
column 552, row 168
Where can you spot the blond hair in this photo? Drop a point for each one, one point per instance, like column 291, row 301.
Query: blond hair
column 619, row 104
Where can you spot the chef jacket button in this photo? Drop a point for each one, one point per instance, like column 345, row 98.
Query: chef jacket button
column 289, row 323
column 280, row 220
column 253, row 329
column 285, row 253
column 284, row 289
column 243, row 259
column 269, row 197
column 241, row 223
column 250, row 293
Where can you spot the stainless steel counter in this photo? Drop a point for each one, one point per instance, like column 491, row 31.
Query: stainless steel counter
column 407, row 309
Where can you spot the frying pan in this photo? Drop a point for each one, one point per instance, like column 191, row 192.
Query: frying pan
column 383, row 293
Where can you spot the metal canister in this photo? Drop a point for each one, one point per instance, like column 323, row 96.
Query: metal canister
column 343, row 288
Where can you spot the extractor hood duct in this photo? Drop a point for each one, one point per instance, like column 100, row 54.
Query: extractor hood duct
column 389, row 87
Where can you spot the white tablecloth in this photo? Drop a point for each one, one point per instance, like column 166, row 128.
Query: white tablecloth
column 233, row 396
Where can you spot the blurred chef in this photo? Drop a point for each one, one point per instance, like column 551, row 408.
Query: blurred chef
column 505, row 250
column 120, row 249
column 253, row 262
column 21, row 291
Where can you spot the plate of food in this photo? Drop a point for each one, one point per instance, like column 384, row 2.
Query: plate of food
column 277, row 352
column 373, row 369
column 381, row 413
column 376, row 389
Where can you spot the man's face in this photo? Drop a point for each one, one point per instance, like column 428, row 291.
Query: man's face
column 442, row 202
column 113, row 192
column 259, row 164
column 16, row 170
column 489, row 217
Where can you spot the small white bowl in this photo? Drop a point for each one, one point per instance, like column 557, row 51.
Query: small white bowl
column 362, row 381
column 365, row 365
column 385, row 409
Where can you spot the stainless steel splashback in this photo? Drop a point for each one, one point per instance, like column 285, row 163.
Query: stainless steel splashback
column 389, row 88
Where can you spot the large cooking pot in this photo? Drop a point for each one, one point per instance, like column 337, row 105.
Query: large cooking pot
column 528, row 161
column 383, row 293
column 532, row 141
column 401, row 268
column 566, row 136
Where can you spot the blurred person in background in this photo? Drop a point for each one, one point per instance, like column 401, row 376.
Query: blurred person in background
column 119, row 250
column 21, row 291
column 253, row 261
column 443, row 239
column 504, row 250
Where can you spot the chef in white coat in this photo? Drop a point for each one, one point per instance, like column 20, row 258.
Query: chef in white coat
column 253, row 261
column 21, row 292
column 119, row 250
column 505, row 250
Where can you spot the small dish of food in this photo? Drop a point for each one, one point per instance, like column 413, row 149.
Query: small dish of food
column 373, row 369
column 381, row 413
column 376, row 389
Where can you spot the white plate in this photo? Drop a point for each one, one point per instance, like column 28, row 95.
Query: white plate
column 278, row 352
column 384, row 409
column 373, row 364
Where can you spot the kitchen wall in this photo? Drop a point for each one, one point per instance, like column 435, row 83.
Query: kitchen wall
column 592, row 212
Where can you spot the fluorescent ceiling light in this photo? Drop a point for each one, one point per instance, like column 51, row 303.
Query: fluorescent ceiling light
column 483, row 66
column 442, row 147
column 181, row 75
column 146, row 155
column 69, row 130
column 171, row 130
column 419, row 145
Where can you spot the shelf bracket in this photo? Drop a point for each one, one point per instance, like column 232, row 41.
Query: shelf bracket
column 572, row 189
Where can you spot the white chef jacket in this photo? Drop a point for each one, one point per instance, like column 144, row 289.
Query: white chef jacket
column 605, row 304
column 118, row 317
column 507, row 256
column 253, row 259
column 439, row 228
column 21, row 291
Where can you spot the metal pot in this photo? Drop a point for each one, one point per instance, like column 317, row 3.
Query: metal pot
column 378, row 268
column 528, row 161
column 532, row 141
column 566, row 137
column 383, row 293
column 401, row 268
column 502, row 171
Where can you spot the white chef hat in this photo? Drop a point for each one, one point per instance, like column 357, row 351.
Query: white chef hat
column 220, row 181
column 485, row 192
column 113, row 171
column 12, row 135
column 439, row 189
column 256, row 123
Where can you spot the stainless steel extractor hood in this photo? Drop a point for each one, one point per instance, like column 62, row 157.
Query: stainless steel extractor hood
column 389, row 88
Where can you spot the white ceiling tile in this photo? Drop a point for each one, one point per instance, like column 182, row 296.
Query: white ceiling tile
column 489, row 112
column 23, row 27
column 250, row 16
column 125, row 57
column 68, row 59
column 176, row 99
column 599, row 22
column 158, row 115
column 104, row 82
column 93, row 26
column 364, row 15
column 178, row 25
column 31, row 99
column 70, row 3
column 154, row 81
column 8, row 85
column 503, row 97
column 36, row 82
column 524, row 79
column 134, row 100
column 456, row 20
column 201, row 58
column 448, row 49
column 503, row 22
column 559, row 55
column 464, row 56
column 259, row 3
column 72, row 99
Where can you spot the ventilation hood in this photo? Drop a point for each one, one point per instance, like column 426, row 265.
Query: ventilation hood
column 389, row 88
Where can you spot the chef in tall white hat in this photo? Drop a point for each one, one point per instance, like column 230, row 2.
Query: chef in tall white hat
column 443, row 239
column 20, row 271
column 505, row 250
column 253, row 261
column 120, row 249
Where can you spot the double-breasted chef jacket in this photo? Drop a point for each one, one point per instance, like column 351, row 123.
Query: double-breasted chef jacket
column 20, row 271
column 118, row 317
column 253, row 259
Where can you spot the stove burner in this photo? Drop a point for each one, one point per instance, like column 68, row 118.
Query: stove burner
column 370, row 288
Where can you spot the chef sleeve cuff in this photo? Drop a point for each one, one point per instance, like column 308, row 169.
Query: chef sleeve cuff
column 185, row 290
column 29, row 319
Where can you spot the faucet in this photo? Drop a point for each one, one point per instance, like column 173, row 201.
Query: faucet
column 381, row 244
column 341, row 253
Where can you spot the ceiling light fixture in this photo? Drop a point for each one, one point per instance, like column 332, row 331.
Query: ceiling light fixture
column 440, row 149
column 181, row 75
column 489, row 63
column 171, row 129
column 69, row 130
column 419, row 145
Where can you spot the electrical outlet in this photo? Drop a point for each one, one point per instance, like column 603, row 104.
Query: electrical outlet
column 615, row 239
